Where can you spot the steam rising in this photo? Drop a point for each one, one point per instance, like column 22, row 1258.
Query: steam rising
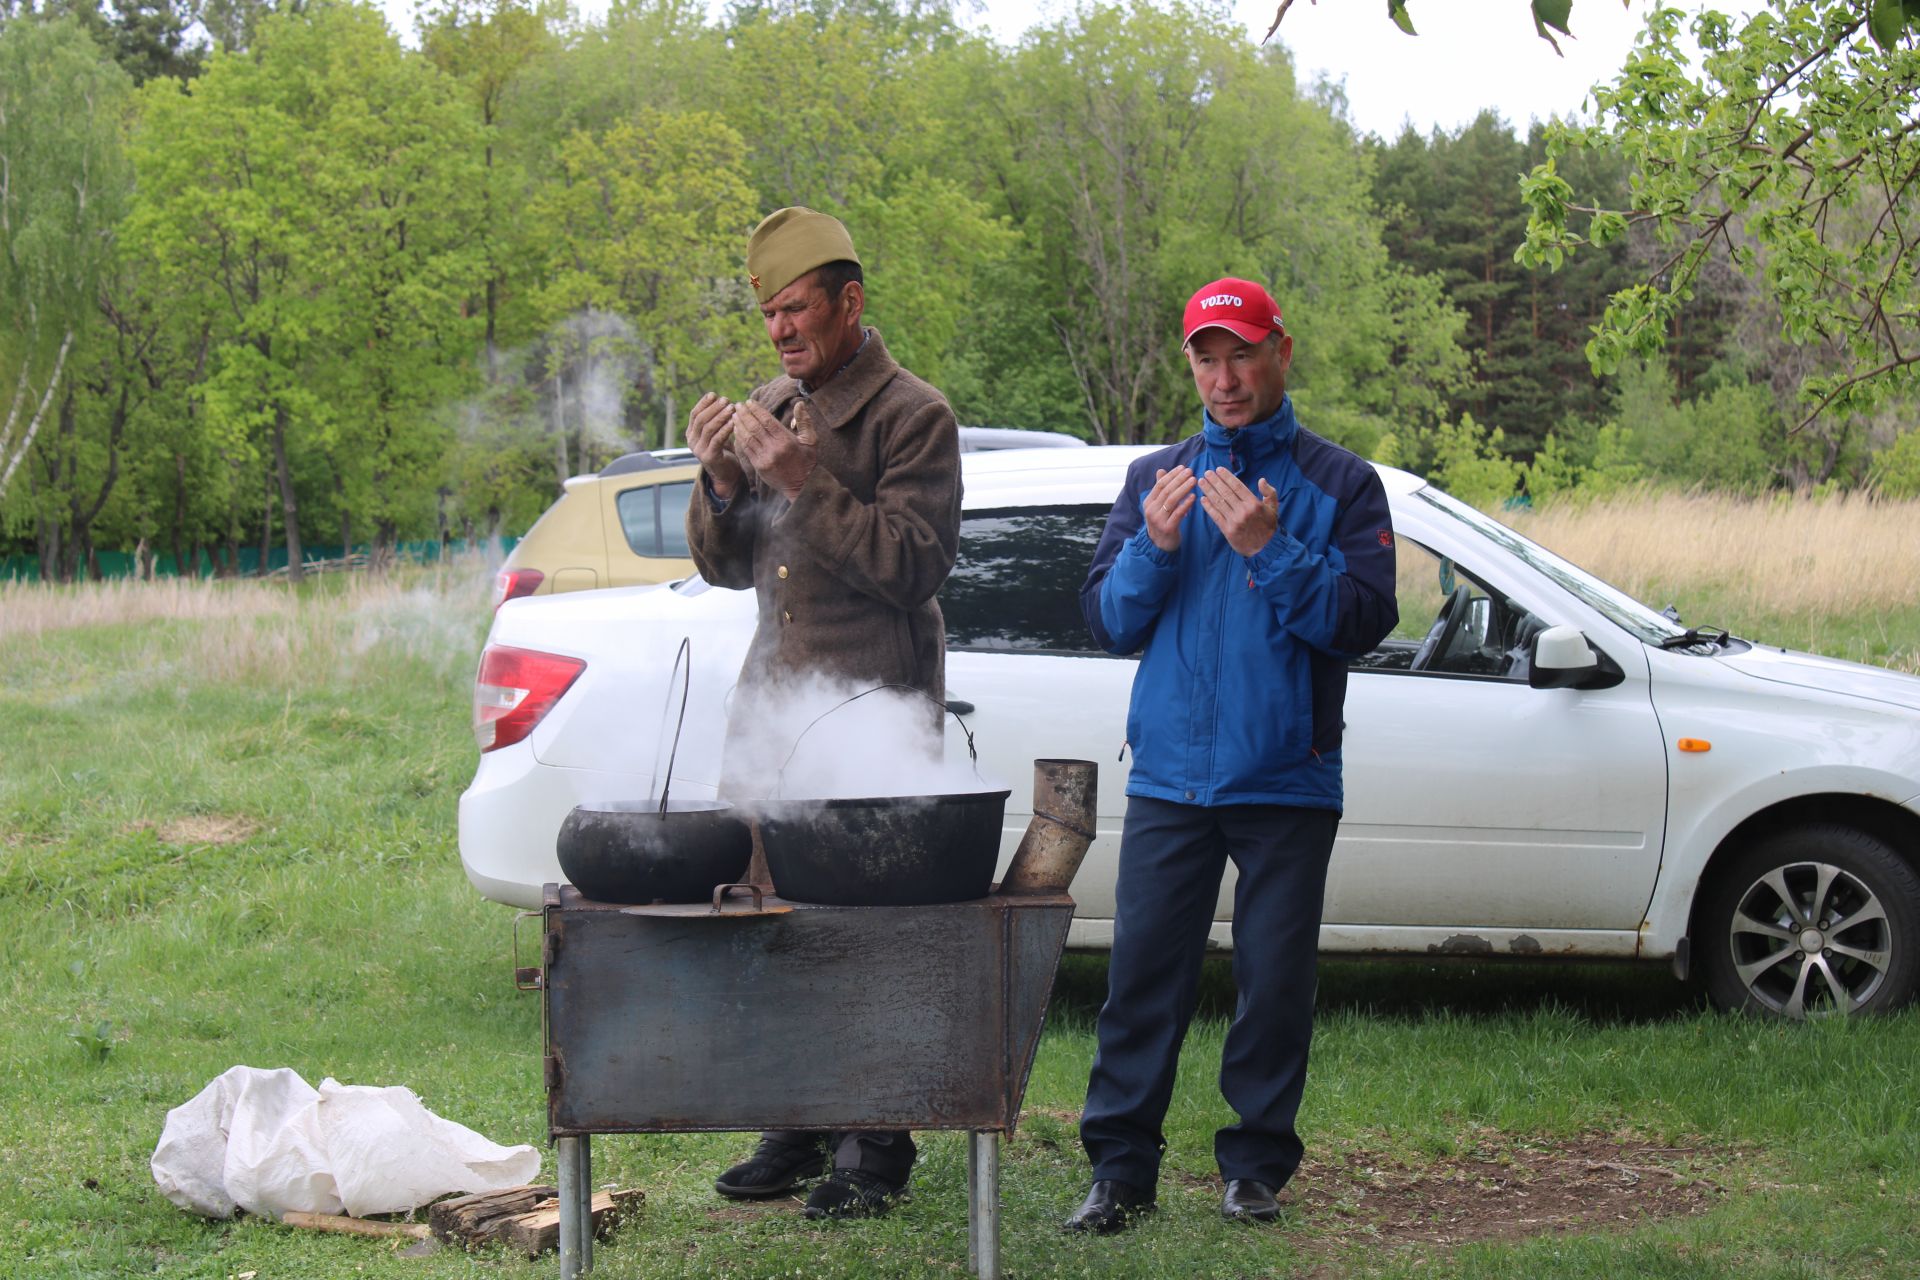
column 599, row 350
column 812, row 738
column 573, row 382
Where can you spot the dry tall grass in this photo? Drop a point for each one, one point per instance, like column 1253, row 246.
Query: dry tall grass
column 31, row 608
column 1816, row 558
column 265, row 631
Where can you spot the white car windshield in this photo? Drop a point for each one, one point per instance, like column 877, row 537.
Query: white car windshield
column 1650, row 625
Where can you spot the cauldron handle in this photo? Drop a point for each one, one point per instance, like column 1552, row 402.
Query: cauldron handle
column 722, row 891
column 686, row 687
column 973, row 754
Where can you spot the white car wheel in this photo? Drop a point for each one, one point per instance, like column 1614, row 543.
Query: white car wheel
column 1814, row 921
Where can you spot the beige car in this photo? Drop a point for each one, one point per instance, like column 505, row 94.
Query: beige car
column 623, row 527
column 626, row 526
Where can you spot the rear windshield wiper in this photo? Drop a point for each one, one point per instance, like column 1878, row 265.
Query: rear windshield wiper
column 1714, row 636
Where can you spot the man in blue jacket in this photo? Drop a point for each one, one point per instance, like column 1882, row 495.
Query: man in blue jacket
column 1245, row 564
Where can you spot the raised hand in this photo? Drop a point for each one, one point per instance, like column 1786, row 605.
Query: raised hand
column 1166, row 505
column 1247, row 521
column 709, row 433
column 783, row 458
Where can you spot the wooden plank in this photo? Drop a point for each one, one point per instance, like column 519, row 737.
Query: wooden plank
column 354, row 1226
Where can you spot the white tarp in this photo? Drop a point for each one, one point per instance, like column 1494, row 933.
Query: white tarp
column 269, row 1142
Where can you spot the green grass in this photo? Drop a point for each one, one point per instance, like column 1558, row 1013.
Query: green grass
column 340, row 938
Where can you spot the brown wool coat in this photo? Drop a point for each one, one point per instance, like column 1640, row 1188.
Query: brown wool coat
column 845, row 575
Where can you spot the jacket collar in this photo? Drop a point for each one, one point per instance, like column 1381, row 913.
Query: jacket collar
column 846, row 393
column 1256, row 440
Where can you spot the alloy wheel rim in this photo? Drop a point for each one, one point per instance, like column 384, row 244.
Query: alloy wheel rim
column 1810, row 940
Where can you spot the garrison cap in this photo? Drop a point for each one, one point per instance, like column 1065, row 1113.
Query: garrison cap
column 788, row 243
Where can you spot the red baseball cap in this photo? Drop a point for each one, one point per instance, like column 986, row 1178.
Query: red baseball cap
column 1241, row 307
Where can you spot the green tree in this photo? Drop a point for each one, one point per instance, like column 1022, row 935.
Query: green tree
column 1729, row 436
column 148, row 38
column 1551, row 473
column 1450, row 210
column 63, row 184
column 315, row 198
column 1141, row 153
column 1791, row 148
column 1896, row 469
column 648, row 223
column 1470, row 462
column 838, row 132
column 486, row 47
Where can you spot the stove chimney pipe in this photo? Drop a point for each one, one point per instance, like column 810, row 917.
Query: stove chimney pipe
column 1064, row 792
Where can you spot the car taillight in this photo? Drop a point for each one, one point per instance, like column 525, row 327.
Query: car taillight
column 511, row 584
column 515, row 689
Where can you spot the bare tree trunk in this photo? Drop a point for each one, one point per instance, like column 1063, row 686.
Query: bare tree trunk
column 287, row 502
column 178, row 532
column 9, row 453
column 493, row 348
column 266, row 530
column 384, row 537
column 559, row 432
column 83, row 519
column 49, row 547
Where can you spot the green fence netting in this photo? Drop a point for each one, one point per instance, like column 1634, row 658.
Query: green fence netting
column 120, row 564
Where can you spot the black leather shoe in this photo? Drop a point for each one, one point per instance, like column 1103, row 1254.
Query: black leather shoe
column 1111, row 1206
column 852, row 1193
column 772, row 1170
column 1249, row 1201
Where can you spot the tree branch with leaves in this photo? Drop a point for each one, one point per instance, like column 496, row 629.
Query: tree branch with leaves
column 1790, row 143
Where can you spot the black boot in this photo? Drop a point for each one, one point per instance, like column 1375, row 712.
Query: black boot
column 773, row 1169
column 852, row 1193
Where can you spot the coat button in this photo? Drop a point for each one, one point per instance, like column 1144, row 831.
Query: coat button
column 785, row 616
column 781, row 571
column 1189, row 795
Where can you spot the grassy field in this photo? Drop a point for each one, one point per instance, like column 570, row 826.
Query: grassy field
column 227, row 836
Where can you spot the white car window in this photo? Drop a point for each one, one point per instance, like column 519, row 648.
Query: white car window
column 1016, row 584
column 1451, row 622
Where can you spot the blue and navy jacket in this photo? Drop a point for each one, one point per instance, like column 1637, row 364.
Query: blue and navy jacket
column 1243, row 669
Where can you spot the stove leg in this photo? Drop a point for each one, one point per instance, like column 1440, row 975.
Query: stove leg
column 575, row 1158
column 983, row 1204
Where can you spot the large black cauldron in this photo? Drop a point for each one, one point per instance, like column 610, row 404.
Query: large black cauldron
column 653, row 851
column 885, row 851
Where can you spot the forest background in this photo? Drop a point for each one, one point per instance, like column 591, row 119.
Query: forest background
column 274, row 277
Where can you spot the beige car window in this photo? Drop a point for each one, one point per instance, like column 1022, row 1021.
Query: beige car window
column 654, row 518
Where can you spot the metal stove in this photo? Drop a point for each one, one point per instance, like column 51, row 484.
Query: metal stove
column 750, row 1012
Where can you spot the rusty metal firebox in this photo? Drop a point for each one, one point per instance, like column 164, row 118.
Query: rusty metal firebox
column 756, row 1013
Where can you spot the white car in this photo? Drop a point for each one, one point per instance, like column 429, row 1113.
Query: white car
column 1536, row 764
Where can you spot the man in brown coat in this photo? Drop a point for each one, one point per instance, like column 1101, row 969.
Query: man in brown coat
column 834, row 492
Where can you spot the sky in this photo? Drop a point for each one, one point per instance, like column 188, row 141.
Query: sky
column 1469, row 55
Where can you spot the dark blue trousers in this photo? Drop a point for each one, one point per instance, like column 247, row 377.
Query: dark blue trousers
column 1172, row 857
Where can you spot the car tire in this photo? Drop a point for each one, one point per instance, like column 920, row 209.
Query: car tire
column 1767, row 939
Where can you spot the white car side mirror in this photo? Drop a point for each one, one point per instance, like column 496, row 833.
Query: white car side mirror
column 1563, row 649
column 1562, row 659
